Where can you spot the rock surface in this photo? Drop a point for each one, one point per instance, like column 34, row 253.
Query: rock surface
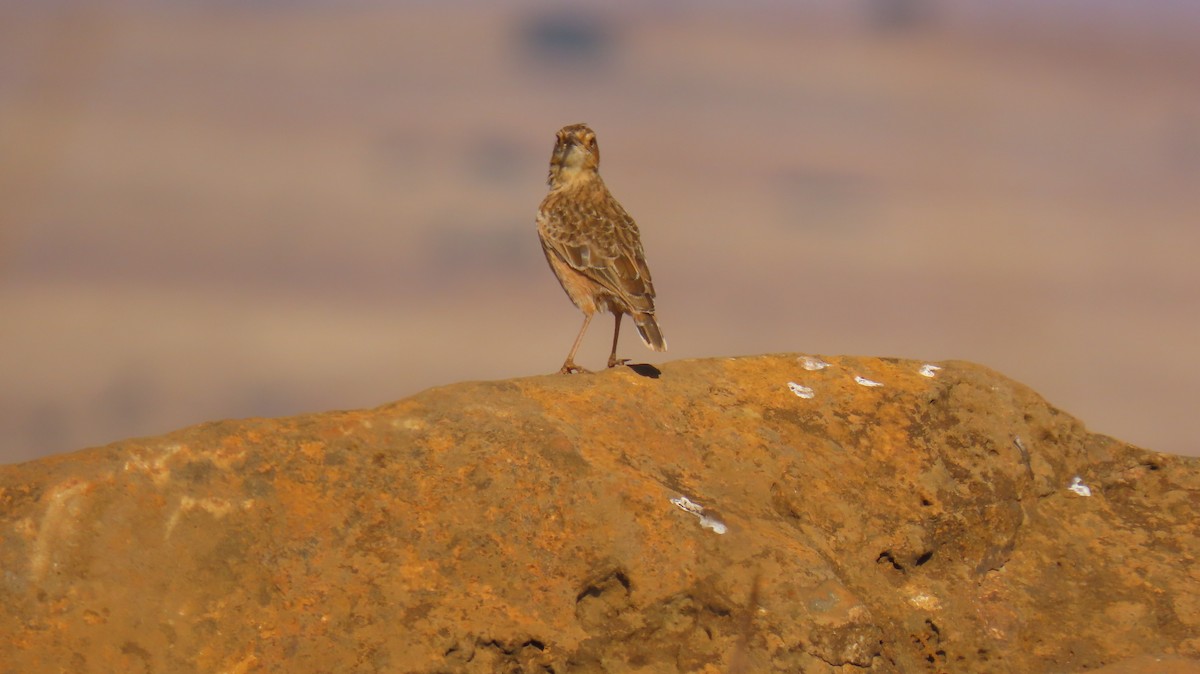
column 925, row 525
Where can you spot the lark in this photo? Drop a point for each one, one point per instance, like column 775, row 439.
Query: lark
column 593, row 246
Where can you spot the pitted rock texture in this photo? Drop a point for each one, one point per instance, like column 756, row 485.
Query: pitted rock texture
column 527, row 526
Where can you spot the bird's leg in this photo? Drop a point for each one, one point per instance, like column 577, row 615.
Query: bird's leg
column 569, row 365
column 613, row 361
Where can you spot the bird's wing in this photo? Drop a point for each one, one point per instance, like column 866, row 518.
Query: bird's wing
column 629, row 242
column 601, row 242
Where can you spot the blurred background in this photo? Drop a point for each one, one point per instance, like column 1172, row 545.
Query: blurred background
column 229, row 209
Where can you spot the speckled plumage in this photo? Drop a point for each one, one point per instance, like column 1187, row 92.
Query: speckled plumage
column 593, row 246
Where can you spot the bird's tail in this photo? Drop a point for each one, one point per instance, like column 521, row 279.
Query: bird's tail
column 647, row 327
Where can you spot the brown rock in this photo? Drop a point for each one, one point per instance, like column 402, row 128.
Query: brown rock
column 527, row 526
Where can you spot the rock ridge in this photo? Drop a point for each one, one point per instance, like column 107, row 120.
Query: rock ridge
column 724, row 515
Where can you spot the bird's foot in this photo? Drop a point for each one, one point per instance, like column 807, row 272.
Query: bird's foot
column 613, row 361
column 570, row 367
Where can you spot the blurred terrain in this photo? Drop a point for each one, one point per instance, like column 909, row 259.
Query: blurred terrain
column 223, row 210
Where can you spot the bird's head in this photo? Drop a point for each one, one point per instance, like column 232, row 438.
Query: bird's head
column 575, row 153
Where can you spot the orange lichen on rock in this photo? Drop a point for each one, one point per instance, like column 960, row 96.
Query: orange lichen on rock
column 701, row 518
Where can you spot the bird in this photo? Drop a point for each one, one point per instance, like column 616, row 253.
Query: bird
column 593, row 246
